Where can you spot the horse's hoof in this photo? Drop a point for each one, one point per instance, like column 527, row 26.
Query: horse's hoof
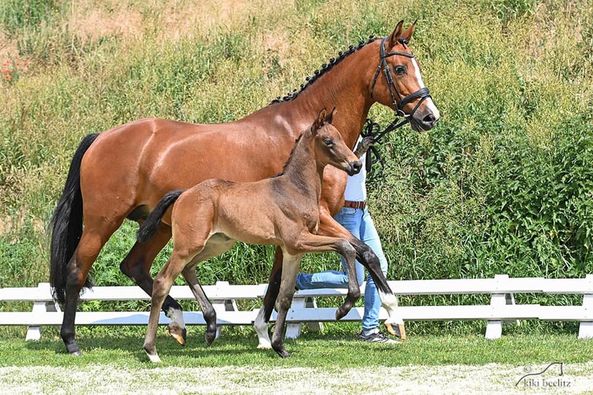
column 264, row 345
column 397, row 330
column 341, row 312
column 73, row 349
column 179, row 334
column 282, row 353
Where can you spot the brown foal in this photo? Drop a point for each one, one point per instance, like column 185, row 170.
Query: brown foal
column 124, row 172
column 207, row 219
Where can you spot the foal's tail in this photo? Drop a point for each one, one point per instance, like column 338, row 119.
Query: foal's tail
column 66, row 224
column 150, row 225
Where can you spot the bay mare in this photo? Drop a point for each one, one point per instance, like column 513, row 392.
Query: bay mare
column 124, row 172
column 208, row 218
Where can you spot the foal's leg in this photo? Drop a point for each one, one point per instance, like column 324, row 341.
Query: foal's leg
column 307, row 242
column 162, row 286
column 395, row 324
column 189, row 273
column 263, row 317
column 290, row 268
column 136, row 265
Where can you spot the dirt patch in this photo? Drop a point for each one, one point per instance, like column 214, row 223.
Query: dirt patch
column 94, row 23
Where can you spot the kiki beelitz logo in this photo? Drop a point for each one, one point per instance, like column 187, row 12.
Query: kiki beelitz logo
column 539, row 380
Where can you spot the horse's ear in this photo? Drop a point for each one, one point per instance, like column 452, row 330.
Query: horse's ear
column 319, row 121
column 407, row 35
column 393, row 37
column 329, row 118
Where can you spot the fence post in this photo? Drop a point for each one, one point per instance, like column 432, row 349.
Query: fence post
column 34, row 332
column 293, row 329
column 586, row 327
column 494, row 327
column 311, row 303
column 223, row 305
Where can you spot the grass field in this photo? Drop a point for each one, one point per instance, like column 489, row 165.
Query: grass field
column 504, row 184
column 116, row 362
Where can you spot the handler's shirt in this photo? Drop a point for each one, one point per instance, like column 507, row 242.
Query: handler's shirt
column 356, row 190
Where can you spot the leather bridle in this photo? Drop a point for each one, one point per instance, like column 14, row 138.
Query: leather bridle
column 397, row 99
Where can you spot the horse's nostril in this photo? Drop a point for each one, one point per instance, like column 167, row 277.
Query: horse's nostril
column 356, row 166
column 429, row 119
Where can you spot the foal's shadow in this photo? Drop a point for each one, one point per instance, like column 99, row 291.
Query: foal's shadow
column 130, row 345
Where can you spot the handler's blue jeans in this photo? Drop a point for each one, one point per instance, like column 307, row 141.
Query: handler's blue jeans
column 360, row 224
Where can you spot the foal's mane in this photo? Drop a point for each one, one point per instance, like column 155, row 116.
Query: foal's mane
column 296, row 143
column 323, row 70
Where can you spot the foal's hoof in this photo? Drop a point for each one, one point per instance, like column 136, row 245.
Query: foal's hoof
column 210, row 336
column 342, row 311
column 283, row 353
column 154, row 358
column 398, row 330
column 177, row 333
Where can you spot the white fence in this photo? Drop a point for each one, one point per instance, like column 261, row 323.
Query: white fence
column 502, row 305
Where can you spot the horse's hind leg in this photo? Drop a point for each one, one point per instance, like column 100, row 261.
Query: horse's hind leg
column 136, row 265
column 90, row 244
column 216, row 245
column 263, row 317
column 290, row 268
column 189, row 273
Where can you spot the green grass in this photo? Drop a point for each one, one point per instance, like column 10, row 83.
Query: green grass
column 237, row 348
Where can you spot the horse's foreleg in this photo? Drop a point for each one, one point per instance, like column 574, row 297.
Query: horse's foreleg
column 307, row 242
column 263, row 317
column 136, row 265
column 365, row 255
column 290, row 268
column 91, row 242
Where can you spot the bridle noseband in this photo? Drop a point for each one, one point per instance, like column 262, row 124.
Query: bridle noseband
column 397, row 99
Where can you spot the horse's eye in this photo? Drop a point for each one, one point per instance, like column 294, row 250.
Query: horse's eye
column 400, row 70
column 328, row 142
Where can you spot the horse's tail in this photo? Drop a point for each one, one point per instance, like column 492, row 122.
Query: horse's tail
column 150, row 225
column 66, row 224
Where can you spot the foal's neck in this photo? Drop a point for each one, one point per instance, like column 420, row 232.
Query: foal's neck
column 302, row 169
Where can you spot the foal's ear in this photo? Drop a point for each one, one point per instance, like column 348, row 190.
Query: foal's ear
column 318, row 123
column 407, row 35
column 394, row 37
column 329, row 117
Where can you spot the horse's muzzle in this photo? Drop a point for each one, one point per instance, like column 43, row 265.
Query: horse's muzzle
column 354, row 168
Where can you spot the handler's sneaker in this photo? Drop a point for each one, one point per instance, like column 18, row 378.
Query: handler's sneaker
column 374, row 336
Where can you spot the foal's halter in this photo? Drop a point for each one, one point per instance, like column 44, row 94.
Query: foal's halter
column 397, row 99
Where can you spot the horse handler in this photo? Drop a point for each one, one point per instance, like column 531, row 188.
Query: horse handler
column 355, row 217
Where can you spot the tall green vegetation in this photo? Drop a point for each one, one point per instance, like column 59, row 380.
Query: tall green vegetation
column 504, row 184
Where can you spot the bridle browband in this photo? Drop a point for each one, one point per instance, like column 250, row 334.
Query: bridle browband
column 397, row 99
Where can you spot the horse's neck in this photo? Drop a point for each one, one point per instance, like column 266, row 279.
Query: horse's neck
column 346, row 87
column 302, row 169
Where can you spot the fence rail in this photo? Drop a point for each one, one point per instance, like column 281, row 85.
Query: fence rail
column 304, row 309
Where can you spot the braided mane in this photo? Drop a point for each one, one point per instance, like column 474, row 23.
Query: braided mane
column 322, row 70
